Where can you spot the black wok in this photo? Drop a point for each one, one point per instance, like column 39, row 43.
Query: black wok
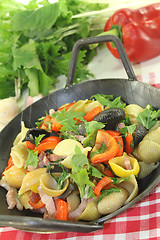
column 131, row 91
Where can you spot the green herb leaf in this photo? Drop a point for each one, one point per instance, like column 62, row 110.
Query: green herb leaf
column 102, row 149
column 38, row 139
column 119, row 180
column 81, row 178
column 107, row 100
column 68, row 120
column 128, row 129
column 91, row 132
column 95, row 172
column 148, row 118
column 107, row 192
column 79, row 160
column 32, row 158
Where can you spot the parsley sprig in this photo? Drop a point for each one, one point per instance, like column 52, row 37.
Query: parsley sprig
column 68, row 119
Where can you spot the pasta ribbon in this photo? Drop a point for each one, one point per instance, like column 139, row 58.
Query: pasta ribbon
column 119, row 168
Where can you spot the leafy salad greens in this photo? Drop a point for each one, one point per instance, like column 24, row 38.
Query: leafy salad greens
column 37, row 40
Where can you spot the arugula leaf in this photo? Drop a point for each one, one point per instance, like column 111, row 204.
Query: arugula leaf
column 95, row 172
column 68, row 120
column 63, row 176
column 107, row 100
column 102, row 149
column 32, row 158
column 79, row 160
column 107, row 192
column 148, row 118
column 81, row 178
column 119, row 180
column 91, row 132
column 128, row 129
column 38, row 139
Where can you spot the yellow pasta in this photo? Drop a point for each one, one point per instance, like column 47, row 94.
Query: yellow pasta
column 19, row 154
column 31, row 180
column 79, row 106
column 21, row 135
column 66, row 147
column 131, row 186
column 47, row 183
column 112, row 202
column 92, row 104
column 73, row 201
column 24, row 199
column 14, row 176
column 91, row 212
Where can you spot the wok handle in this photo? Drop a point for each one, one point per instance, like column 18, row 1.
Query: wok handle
column 92, row 40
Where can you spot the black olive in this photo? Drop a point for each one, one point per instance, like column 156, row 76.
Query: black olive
column 81, row 128
column 35, row 132
column 110, row 117
column 141, row 131
column 68, row 191
column 55, row 167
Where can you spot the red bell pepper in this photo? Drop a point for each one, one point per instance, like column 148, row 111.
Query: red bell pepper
column 139, row 31
column 111, row 144
column 10, row 164
column 101, row 184
column 30, row 145
column 35, row 201
column 47, row 144
column 128, row 148
column 119, row 139
column 62, row 209
column 90, row 115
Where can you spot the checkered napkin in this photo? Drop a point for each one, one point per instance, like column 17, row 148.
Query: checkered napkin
column 140, row 222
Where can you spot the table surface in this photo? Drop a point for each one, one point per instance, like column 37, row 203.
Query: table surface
column 140, row 222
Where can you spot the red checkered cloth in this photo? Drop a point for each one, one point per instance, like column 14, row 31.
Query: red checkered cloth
column 140, row 222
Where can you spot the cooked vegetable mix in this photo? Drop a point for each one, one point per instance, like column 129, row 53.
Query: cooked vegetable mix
column 67, row 175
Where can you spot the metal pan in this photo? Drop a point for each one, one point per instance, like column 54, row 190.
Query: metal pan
column 129, row 89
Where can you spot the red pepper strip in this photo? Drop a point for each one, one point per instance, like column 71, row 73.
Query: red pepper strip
column 101, row 184
column 90, row 115
column 51, row 139
column 55, row 125
column 62, row 209
column 138, row 30
column 36, row 201
column 127, row 148
column 108, row 186
column 46, row 146
column 66, row 107
column 30, row 145
column 10, row 164
column 108, row 173
column 119, row 139
column 45, row 121
column 110, row 143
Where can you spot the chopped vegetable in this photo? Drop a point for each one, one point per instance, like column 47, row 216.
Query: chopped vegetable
column 62, row 209
column 148, row 117
column 129, row 145
column 47, row 145
column 119, row 139
column 102, row 183
column 90, row 115
column 37, row 203
column 111, row 146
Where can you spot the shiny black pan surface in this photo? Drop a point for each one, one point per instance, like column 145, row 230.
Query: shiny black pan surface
column 129, row 89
